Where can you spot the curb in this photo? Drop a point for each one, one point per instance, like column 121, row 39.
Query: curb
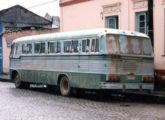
column 6, row 80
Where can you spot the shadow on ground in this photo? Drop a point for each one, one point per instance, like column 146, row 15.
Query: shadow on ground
column 102, row 96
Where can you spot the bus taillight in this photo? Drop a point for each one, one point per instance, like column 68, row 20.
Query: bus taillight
column 148, row 79
column 113, row 78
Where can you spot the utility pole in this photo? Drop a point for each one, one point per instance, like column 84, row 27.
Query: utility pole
column 150, row 21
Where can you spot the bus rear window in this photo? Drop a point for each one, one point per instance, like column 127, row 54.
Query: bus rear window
column 128, row 45
column 146, row 47
column 112, row 44
column 123, row 42
column 136, row 46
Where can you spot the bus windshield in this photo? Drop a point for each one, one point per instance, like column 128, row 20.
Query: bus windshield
column 120, row 44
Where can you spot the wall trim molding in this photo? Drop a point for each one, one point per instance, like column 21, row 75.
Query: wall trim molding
column 137, row 4
column 71, row 2
column 111, row 8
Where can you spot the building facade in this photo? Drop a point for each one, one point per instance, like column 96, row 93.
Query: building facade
column 1, row 64
column 119, row 14
column 9, row 37
column 17, row 22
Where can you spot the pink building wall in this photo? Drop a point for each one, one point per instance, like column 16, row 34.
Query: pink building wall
column 159, row 36
column 5, row 56
column 159, row 41
column 89, row 14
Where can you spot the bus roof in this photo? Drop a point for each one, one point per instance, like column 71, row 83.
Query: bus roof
column 78, row 34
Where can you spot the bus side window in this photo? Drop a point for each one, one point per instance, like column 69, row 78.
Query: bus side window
column 58, row 47
column 42, row 48
column 52, row 47
column 95, row 45
column 67, row 46
column 27, row 48
column 75, row 46
column 12, row 50
column 39, row 47
column 85, row 45
column 16, row 49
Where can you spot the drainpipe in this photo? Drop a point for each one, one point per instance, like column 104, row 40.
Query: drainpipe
column 150, row 21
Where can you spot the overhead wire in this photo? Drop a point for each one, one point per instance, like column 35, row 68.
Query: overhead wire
column 41, row 4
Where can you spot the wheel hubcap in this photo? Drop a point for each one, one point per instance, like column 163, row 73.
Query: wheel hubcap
column 64, row 86
column 17, row 80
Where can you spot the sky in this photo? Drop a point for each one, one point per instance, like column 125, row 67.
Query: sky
column 40, row 7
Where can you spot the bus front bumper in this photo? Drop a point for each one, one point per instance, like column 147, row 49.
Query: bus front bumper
column 127, row 86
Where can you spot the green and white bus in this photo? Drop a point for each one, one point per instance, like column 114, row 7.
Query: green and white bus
column 96, row 59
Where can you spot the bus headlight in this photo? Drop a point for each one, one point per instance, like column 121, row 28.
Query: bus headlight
column 113, row 78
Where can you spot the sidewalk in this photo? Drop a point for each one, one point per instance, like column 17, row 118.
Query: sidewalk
column 5, row 78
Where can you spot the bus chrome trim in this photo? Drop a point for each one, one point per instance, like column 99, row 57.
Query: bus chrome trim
column 148, row 86
column 133, row 86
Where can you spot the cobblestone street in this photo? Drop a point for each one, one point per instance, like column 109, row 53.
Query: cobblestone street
column 21, row 104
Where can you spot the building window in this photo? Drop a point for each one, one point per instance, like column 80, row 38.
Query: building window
column 141, row 22
column 112, row 22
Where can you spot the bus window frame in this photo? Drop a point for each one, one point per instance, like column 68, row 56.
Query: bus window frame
column 56, row 53
column 85, row 53
column 90, row 45
column 26, row 54
column 94, row 52
column 16, row 50
column 117, row 44
column 40, row 48
column 12, row 50
column 71, row 53
column 129, row 38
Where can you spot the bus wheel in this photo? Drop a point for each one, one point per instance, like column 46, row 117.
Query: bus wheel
column 65, row 88
column 19, row 83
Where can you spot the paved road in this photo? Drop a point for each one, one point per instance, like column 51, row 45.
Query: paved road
column 21, row 104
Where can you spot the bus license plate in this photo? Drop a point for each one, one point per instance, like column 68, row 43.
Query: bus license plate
column 131, row 77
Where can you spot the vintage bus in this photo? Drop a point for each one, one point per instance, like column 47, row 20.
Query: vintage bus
column 96, row 59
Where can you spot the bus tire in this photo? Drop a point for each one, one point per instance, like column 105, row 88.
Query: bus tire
column 19, row 83
column 64, row 86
